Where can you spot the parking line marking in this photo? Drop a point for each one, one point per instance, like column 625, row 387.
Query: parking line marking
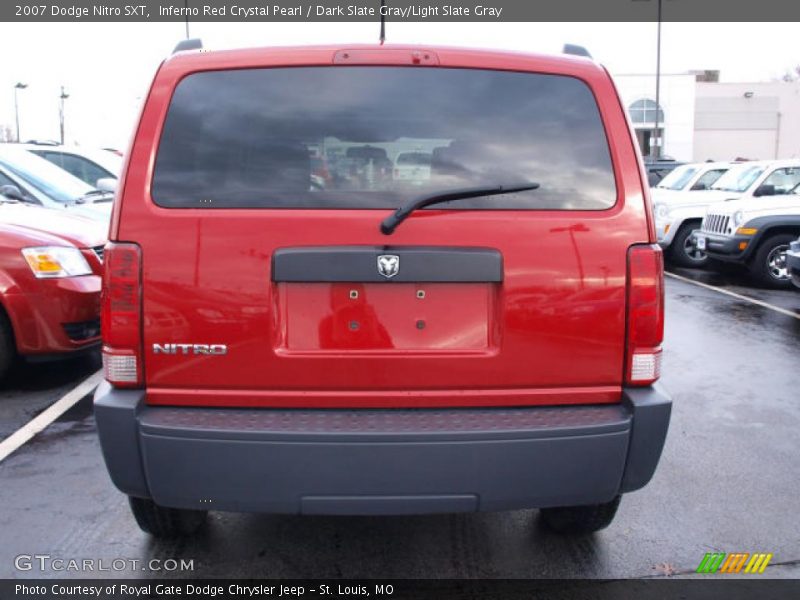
column 783, row 311
column 25, row 433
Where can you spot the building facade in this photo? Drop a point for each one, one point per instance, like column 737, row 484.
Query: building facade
column 675, row 133
column 705, row 120
column 747, row 120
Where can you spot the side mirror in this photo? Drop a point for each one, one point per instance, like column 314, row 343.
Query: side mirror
column 13, row 192
column 106, row 184
column 699, row 186
column 764, row 190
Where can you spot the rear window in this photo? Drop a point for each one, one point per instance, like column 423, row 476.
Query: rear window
column 332, row 137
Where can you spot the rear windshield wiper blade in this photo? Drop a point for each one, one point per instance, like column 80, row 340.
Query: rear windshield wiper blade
column 390, row 223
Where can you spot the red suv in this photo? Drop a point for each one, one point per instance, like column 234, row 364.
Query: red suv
column 484, row 336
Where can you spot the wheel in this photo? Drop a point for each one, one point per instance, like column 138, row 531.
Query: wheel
column 580, row 519
column 162, row 522
column 683, row 252
column 7, row 350
column 768, row 266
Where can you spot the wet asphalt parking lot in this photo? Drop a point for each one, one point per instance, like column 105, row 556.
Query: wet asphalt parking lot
column 728, row 479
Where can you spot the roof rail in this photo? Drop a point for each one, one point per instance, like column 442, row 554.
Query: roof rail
column 190, row 44
column 576, row 50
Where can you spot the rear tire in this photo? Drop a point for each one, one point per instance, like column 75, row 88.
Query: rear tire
column 768, row 266
column 580, row 519
column 682, row 252
column 8, row 351
column 163, row 522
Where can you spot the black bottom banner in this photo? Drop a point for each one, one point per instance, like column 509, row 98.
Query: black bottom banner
column 401, row 589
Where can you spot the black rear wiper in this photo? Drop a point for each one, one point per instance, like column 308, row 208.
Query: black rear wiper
column 390, row 223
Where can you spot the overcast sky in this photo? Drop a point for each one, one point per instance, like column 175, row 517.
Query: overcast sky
column 106, row 67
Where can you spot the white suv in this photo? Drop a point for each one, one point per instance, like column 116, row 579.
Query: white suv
column 679, row 206
column 756, row 230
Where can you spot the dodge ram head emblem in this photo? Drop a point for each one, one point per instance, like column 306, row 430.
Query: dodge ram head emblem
column 388, row 265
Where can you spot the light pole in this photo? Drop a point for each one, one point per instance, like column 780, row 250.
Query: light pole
column 17, row 87
column 658, row 139
column 61, row 98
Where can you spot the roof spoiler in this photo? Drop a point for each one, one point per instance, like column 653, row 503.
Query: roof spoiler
column 190, row 44
column 576, row 50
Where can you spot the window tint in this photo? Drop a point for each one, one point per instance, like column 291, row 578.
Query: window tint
column 784, row 180
column 707, row 179
column 331, row 137
column 739, row 178
column 6, row 181
column 54, row 157
column 677, row 178
column 83, row 169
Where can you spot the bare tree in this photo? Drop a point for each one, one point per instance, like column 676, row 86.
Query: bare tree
column 6, row 134
column 792, row 74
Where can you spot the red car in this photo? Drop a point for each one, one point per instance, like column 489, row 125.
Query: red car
column 486, row 339
column 50, row 274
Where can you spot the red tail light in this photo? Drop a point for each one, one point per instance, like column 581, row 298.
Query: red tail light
column 121, row 314
column 645, row 314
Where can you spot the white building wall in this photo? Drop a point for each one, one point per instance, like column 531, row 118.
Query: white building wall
column 677, row 99
column 748, row 120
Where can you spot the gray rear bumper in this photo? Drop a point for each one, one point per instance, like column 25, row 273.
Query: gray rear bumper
column 380, row 461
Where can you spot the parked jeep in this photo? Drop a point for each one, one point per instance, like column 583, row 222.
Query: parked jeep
column 754, row 232
column 679, row 209
column 486, row 339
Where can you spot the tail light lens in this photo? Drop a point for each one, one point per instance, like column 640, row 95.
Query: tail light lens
column 645, row 314
column 121, row 314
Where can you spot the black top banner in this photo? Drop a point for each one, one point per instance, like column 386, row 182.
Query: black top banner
column 401, row 10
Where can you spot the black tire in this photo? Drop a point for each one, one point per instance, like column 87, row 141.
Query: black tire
column 8, row 352
column 765, row 266
column 580, row 519
column 163, row 522
column 682, row 253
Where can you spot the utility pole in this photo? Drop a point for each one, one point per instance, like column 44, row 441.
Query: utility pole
column 61, row 98
column 17, row 87
column 657, row 139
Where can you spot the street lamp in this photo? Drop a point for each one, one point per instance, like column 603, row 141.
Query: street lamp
column 659, row 139
column 62, row 97
column 17, row 87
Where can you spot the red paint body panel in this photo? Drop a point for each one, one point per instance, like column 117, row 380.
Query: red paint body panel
column 553, row 332
column 385, row 318
column 38, row 308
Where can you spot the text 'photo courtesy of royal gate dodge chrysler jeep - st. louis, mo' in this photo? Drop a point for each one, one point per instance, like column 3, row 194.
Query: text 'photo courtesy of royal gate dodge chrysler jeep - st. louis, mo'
column 371, row 301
